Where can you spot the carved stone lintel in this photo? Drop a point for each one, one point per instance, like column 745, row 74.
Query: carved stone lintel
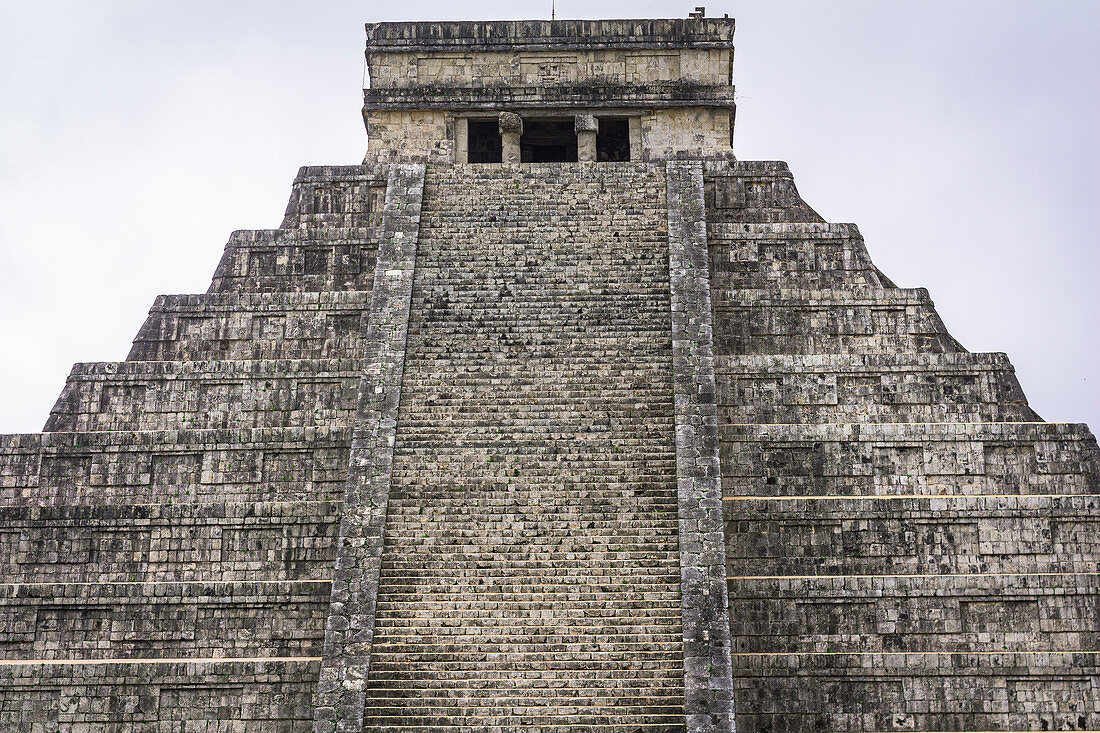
column 510, row 122
column 586, row 123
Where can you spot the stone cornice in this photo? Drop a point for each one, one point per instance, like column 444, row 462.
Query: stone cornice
column 580, row 95
column 534, row 35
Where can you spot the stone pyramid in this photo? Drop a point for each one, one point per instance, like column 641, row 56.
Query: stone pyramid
column 550, row 416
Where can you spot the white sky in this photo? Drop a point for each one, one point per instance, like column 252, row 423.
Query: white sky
column 962, row 136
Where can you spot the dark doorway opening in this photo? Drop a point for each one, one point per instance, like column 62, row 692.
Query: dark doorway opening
column 550, row 140
column 613, row 140
column 483, row 141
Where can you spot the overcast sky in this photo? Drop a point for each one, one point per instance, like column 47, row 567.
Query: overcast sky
column 963, row 137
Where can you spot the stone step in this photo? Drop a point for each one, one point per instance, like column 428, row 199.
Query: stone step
column 959, row 458
column 531, row 417
column 521, row 726
column 157, row 620
column 487, row 325
column 913, row 535
column 613, row 497
column 535, row 627
column 290, row 260
column 584, row 612
column 232, row 326
column 609, row 590
column 501, row 348
column 485, row 375
column 174, row 466
column 784, row 255
column 532, row 411
column 223, row 542
column 503, row 698
column 173, row 395
column 513, row 517
column 559, row 402
column 655, row 677
column 563, row 632
column 532, row 534
column 520, row 271
column 518, row 649
column 577, row 442
column 624, row 535
column 926, row 613
column 562, row 502
column 527, row 273
column 528, row 558
column 576, row 716
column 549, row 663
column 486, row 492
column 846, row 321
column 535, row 439
column 597, row 479
column 535, row 568
column 523, row 719
column 548, row 522
column 537, row 468
column 835, row 388
column 551, row 487
column 433, row 572
column 522, row 548
column 505, row 537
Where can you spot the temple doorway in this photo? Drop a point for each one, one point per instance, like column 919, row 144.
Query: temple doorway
column 484, row 141
column 548, row 140
column 613, row 140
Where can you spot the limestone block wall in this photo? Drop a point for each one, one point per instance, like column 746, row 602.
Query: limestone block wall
column 170, row 395
column 253, row 326
column 903, row 538
column 813, row 256
column 169, row 544
column 246, row 696
column 316, row 259
column 156, row 620
column 952, row 614
column 862, row 388
column 534, row 68
column 1010, row 691
column 202, row 465
column 753, row 191
column 909, row 458
column 404, row 135
column 340, row 197
column 173, row 543
column 690, row 132
column 861, row 321
column 908, row 546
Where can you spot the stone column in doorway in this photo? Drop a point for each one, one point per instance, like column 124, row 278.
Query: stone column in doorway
column 511, row 128
column 586, row 127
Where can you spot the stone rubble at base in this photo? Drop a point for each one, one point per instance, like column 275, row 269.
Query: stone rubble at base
column 632, row 443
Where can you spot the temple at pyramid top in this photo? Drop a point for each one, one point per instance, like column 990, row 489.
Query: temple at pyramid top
column 549, row 91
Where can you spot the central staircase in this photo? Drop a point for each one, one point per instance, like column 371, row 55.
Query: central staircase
column 530, row 576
